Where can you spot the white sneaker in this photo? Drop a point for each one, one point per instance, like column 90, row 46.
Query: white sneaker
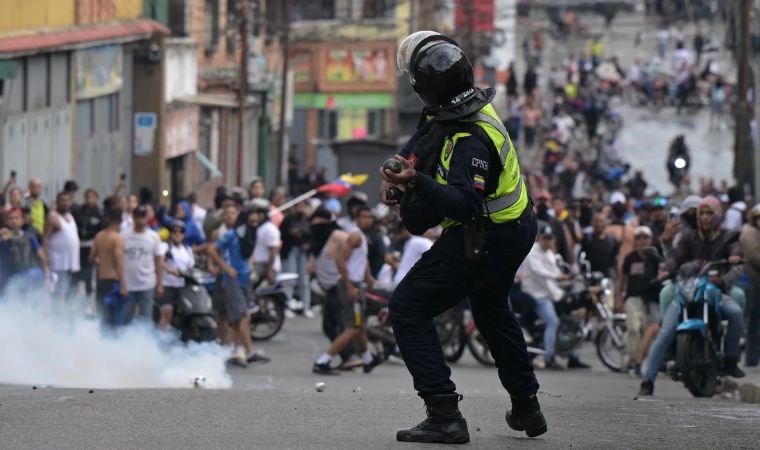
column 308, row 314
column 289, row 314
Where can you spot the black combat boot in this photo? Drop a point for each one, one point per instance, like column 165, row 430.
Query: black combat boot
column 731, row 367
column 526, row 416
column 444, row 423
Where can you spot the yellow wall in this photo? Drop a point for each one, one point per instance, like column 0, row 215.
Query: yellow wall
column 18, row 15
column 128, row 9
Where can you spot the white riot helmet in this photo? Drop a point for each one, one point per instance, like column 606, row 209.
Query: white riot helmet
column 406, row 49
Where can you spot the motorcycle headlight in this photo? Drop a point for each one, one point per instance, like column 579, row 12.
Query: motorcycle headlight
column 688, row 288
column 680, row 163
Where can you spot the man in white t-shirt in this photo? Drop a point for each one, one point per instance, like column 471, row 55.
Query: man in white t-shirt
column 266, row 253
column 143, row 266
column 414, row 247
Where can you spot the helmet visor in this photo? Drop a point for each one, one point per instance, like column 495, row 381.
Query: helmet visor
column 406, row 49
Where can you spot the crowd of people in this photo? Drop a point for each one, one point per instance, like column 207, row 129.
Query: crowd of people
column 127, row 255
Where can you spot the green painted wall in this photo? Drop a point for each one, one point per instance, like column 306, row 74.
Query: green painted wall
column 157, row 10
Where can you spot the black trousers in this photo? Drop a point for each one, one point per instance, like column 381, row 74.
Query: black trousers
column 441, row 279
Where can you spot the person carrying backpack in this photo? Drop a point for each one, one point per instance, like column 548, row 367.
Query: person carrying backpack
column 21, row 254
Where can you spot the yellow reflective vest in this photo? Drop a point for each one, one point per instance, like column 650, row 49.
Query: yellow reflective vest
column 510, row 198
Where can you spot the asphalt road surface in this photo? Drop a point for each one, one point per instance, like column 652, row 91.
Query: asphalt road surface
column 276, row 406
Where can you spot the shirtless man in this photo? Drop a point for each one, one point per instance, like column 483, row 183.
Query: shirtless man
column 108, row 253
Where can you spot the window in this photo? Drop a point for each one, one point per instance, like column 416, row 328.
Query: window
column 85, row 126
column 232, row 32
column 375, row 122
column 113, row 113
column 274, row 18
column 211, row 26
column 99, row 115
column 379, row 9
column 37, row 82
column 328, row 124
column 178, row 17
column 312, row 10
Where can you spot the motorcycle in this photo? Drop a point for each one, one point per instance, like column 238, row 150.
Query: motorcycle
column 268, row 305
column 700, row 331
column 610, row 336
column 193, row 315
column 678, row 168
column 379, row 330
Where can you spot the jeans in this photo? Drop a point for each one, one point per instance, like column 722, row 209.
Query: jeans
column 729, row 310
column 545, row 310
column 143, row 299
column 752, row 357
column 64, row 286
column 296, row 263
column 443, row 278
column 668, row 294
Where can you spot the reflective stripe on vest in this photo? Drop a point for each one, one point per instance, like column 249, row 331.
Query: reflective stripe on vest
column 504, row 204
column 505, row 147
column 505, row 201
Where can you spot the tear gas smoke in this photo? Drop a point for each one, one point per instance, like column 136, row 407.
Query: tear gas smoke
column 48, row 341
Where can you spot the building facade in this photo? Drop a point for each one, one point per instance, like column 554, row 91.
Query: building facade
column 69, row 70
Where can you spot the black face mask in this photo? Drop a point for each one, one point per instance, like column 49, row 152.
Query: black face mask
column 690, row 219
column 542, row 212
column 320, row 233
column 587, row 213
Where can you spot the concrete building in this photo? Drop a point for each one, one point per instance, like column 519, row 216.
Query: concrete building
column 69, row 70
column 344, row 75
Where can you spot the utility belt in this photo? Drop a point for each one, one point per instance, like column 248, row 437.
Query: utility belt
column 475, row 232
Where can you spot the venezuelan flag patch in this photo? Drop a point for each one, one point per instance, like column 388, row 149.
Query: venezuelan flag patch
column 479, row 183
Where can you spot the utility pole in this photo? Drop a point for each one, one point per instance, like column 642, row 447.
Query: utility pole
column 742, row 161
column 242, row 86
column 283, row 138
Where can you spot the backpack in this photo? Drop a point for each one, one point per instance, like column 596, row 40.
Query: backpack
column 20, row 255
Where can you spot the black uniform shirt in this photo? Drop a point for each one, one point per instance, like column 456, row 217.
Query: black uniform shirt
column 468, row 180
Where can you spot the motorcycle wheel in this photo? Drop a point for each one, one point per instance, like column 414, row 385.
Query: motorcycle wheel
column 203, row 329
column 611, row 355
column 268, row 320
column 698, row 363
column 451, row 335
column 479, row 348
column 569, row 335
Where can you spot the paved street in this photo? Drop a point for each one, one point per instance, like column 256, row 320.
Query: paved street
column 643, row 142
column 276, row 406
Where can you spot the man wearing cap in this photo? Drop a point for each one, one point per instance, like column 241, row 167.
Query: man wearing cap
column 460, row 170
column 707, row 244
column 641, row 287
column 143, row 266
column 749, row 240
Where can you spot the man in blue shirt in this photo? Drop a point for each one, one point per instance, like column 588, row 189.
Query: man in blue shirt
column 232, row 252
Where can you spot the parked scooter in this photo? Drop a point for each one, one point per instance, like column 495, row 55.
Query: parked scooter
column 193, row 314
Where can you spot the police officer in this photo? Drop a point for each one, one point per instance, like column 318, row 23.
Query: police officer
column 460, row 170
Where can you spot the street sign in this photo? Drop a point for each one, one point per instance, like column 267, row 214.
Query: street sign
column 145, row 133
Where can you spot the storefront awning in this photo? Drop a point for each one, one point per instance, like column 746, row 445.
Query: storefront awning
column 79, row 37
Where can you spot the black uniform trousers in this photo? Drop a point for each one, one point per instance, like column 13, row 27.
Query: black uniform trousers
column 441, row 279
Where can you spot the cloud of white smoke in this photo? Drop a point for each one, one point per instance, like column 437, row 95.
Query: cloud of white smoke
column 46, row 341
